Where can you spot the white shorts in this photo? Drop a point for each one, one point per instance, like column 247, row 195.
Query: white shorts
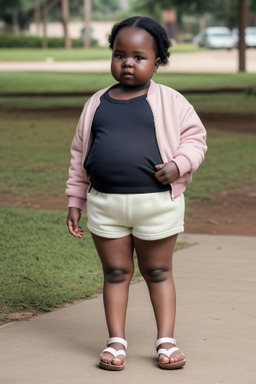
column 149, row 216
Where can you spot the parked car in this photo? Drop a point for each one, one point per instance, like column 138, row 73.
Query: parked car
column 250, row 37
column 215, row 37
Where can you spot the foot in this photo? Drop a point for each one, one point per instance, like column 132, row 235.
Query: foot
column 169, row 357
column 108, row 358
column 113, row 357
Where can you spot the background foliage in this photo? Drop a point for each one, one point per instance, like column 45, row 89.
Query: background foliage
column 220, row 9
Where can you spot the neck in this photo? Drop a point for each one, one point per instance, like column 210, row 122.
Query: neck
column 123, row 92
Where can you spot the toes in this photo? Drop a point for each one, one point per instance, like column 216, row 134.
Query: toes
column 163, row 359
column 176, row 357
column 107, row 358
column 117, row 361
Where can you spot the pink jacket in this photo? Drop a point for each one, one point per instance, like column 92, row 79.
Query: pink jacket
column 180, row 134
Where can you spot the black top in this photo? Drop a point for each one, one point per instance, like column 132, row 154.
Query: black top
column 124, row 150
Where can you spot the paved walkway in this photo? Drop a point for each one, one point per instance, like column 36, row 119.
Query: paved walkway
column 216, row 317
column 195, row 62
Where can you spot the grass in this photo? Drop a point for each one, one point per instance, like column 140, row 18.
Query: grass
column 57, row 54
column 241, row 103
column 222, row 102
column 41, row 265
column 76, row 54
column 78, row 82
column 229, row 163
column 34, row 153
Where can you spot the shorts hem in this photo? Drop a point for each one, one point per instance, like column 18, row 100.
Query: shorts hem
column 158, row 236
column 108, row 235
column 138, row 235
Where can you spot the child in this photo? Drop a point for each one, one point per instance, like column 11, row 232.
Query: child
column 136, row 146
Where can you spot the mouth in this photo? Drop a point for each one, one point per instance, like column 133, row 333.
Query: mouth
column 127, row 74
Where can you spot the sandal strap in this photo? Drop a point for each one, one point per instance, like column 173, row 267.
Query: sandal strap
column 117, row 340
column 168, row 352
column 114, row 352
column 165, row 340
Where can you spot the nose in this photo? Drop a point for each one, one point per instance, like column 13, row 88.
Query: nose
column 127, row 62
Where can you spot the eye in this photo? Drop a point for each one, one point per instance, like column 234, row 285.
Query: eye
column 119, row 56
column 139, row 58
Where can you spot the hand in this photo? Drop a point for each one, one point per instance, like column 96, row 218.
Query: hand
column 73, row 218
column 167, row 173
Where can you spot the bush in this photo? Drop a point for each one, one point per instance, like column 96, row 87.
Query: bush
column 26, row 41
column 20, row 41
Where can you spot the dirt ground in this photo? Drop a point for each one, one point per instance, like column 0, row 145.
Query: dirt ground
column 230, row 212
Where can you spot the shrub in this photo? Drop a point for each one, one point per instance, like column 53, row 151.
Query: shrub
column 25, row 41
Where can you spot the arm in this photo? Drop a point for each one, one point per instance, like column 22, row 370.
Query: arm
column 191, row 147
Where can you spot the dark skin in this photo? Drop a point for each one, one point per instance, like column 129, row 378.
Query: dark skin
column 134, row 62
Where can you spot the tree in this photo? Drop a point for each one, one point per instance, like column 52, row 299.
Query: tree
column 87, row 20
column 220, row 9
column 242, row 15
column 65, row 21
column 37, row 15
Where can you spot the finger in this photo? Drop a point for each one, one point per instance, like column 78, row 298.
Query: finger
column 160, row 175
column 159, row 166
column 73, row 230
column 80, row 231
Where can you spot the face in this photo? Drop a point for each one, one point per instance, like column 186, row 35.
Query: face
column 134, row 57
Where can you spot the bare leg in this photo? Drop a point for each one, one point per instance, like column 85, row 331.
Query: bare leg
column 155, row 263
column 117, row 261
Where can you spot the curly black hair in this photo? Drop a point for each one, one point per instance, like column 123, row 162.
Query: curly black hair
column 151, row 26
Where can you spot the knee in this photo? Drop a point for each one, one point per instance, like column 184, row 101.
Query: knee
column 157, row 275
column 117, row 276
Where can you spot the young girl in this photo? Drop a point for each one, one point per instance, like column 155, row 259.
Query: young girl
column 136, row 146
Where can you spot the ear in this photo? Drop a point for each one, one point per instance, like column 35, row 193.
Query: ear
column 157, row 63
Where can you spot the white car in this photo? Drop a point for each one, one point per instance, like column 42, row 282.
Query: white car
column 250, row 37
column 215, row 38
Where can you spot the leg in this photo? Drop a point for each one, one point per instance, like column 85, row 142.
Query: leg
column 117, row 261
column 155, row 263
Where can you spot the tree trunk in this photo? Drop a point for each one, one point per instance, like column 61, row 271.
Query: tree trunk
column 45, row 19
column 87, row 22
column 37, row 16
column 65, row 20
column 242, row 17
column 15, row 22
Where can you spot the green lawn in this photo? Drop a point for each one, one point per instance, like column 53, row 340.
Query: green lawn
column 78, row 82
column 76, row 54
column 222, row 102
column 34, row 153
column 41, row 265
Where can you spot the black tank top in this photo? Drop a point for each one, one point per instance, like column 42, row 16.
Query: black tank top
column 124, row 150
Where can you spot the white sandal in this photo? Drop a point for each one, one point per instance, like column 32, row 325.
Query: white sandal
column 110, row 366
column 168, row 353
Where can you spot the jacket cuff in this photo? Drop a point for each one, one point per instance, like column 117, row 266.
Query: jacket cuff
column 76, row 202
column 183, row 164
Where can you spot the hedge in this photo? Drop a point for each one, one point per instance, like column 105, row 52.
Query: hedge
column 26, row 41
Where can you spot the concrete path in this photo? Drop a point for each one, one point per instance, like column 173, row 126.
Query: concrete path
column 214, row 61
column 216, row 316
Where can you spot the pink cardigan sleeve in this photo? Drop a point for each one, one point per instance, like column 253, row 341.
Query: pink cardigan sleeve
column 78, row 183
column 192, row 147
